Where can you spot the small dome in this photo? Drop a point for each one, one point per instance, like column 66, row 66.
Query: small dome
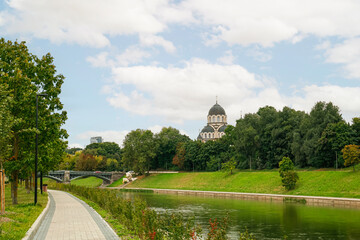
column 222, row 128
column 207, row 129
column 217, row 110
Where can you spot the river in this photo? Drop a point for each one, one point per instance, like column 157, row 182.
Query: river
column 266, row 220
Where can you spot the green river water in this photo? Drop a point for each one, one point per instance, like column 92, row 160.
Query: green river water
column 266, row 220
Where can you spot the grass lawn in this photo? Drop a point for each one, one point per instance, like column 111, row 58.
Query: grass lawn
column 87, row 182
column 117, row 183
column 19, row 218
column 344, row 183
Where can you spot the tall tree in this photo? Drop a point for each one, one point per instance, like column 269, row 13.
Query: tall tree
column 139, row 150
column 107, row 149
column 25, row 75
column 168, row 139
column 310, row 132
column 351, row 155
column 333, row 139
column 246, row 138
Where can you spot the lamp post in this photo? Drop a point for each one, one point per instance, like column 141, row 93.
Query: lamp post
column 36, row 143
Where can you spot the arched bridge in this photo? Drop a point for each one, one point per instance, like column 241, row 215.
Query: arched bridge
column 65, row 176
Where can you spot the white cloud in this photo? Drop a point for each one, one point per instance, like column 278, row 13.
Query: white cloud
column 227, row 59
column 152, row 40
column 180, row 94
column 346, row 53
column 234, row 21
column 259, row 55
column 108, row 136
column 346, row 98
column 100, row 60
column 267, row 22
column 90, row 22
column 131, row 55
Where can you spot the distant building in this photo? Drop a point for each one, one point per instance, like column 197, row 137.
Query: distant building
column 217, row 122
column 96, row 140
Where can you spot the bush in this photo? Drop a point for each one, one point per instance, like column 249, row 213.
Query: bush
column 289, row 179
column 288, row 176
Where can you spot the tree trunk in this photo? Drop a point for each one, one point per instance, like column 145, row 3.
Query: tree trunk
column 14, row 187
column 2, row 191
column 33, row 182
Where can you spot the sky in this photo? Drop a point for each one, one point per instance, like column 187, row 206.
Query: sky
column 150, row 64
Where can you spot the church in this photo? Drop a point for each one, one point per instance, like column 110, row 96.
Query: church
column 216, row 124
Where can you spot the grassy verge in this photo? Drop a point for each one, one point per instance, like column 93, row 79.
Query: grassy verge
column 19, row 218
column 311, row 183
column 116, row 183
column 87, row 182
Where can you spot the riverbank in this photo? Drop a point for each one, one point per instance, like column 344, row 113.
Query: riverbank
column 343, row 184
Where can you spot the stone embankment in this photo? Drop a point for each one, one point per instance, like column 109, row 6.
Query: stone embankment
column 308, row 200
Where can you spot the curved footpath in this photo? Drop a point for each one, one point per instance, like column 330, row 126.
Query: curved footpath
column 68, row 217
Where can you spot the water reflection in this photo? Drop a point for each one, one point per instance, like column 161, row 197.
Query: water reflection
column 266, row 220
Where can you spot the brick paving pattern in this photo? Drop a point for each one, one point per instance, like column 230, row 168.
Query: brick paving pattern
column 70, row 218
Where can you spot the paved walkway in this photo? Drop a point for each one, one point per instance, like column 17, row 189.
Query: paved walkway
column 70, row 218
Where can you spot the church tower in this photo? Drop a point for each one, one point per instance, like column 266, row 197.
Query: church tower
column 216, row 124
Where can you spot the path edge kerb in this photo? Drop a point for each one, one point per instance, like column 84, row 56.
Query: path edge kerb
column 35, row 226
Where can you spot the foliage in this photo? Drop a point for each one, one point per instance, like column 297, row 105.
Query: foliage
column 289, row 179
column 139, row 150
column 288, row 176
column 351, row 154
column 179, row 158
column 72, row 151
column 246, row 235
column 106, row 149
column 6, row 123
column 167, row 140
column 24, row 75
column 217, row 229
column 229, row 165
column 87, row 162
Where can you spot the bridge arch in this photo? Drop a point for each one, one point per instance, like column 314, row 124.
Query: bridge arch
column 53, row 178
column 105, row 179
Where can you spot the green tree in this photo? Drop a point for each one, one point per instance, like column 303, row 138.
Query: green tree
column 167, row 141
column 288, row 176
column 351, row 155
column 179, row 158
column 246, row 138
column 333, row 139
column 87, row 162
column 356, row 127
column 73, row 150
column 25, row 75
column 106, row 149
column 6, row 123
column 229, row 165
column 139, row 150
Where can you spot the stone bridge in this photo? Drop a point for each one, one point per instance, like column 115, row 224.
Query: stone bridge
column 65, row 176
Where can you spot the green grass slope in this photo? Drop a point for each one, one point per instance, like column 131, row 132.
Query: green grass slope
column 311, row 183
column 87, row 182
